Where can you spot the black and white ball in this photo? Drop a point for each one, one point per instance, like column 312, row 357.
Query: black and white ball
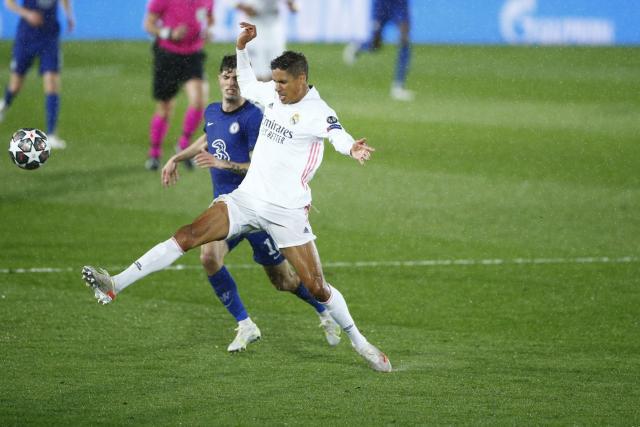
column 29, row 148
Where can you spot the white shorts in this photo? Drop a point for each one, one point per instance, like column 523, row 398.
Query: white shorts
column 287, row 227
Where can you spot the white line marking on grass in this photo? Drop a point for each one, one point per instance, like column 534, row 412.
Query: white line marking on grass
column 374, row 264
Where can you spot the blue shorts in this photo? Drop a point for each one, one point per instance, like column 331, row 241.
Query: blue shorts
column 24, row 53
column 390, row 10
column 265, row 250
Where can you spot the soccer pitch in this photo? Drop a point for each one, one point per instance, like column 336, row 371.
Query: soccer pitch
column 491, row 248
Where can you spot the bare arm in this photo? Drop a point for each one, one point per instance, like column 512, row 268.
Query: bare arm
column 33, row 17
column 170, row 173
column 68, row 11
column 204, row 159
column 166, row 33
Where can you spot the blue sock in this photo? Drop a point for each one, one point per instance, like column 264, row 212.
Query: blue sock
column 53, row 107
column 8, row 96
column 402, row 64
column 303, row 293
column 365, row 47
column 227, row 291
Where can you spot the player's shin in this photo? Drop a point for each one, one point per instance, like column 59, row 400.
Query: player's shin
column 337, row 306
column 157, row 258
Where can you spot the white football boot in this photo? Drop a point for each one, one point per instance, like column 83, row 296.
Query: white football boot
column 399, row 93
column 56, row 142
column 101, row 283
column 330, row 327
column 248, row 332
column 377, row 360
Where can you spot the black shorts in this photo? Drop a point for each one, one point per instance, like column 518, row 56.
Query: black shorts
column 171, row 71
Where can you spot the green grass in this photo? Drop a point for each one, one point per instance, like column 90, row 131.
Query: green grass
column 507, row 152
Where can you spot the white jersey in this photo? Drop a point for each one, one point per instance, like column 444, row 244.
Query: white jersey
column 290, row 144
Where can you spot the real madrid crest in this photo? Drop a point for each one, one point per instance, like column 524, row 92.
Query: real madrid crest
column 295, row 118
column 234, row 128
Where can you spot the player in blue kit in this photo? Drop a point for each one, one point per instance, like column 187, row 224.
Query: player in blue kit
column 38, row 35
column 231, row 129
column 384, row 12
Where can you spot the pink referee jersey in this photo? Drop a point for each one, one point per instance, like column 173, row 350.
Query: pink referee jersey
column 192, row 13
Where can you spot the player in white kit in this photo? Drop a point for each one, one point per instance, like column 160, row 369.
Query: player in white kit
column 275, row 195
column 272, row 40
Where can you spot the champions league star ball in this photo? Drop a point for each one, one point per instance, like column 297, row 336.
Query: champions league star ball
column 29, row 148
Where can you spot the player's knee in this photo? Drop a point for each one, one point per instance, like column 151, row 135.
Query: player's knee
column 210, row 262
column 185, row 238
column 316, row 285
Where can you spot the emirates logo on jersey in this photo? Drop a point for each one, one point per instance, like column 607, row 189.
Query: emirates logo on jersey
column 274, row 131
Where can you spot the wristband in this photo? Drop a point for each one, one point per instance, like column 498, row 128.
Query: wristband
column 164, row 33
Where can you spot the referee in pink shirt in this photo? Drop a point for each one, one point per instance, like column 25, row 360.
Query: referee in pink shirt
column 180, row 29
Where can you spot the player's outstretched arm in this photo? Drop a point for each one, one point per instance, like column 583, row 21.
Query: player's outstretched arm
column 361, row 151
column 33, row 17
column 68, row 11
column 250, row 88
column 170, row 173
column 204, row 159
column 248, row 33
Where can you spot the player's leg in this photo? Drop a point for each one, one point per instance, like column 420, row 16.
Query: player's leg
column 195, row 89
column 11, row 90
column 283, row 278
column 51, row 83
column 381, row 12
column 212, row 258
column 22, row 58
column 165, row 88
column 306, row 260
column 211, row 225
column 398, row 90
column 197, row 101
column 158, row 128
column 50, row 71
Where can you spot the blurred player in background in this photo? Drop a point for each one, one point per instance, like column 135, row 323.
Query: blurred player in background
column 274, row 196
column 38, row 35
column 272, row 40
column 384, row 12
column 231, row 131
column 180, row 29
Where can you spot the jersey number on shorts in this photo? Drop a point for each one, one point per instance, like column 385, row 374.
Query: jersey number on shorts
column 272, row 250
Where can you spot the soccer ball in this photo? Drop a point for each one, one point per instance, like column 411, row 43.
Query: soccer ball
column 29, row 148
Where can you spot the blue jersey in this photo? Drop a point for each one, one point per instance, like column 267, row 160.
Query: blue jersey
column 50, row 29
column 230, row 136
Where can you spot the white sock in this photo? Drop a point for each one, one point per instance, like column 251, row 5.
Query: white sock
column 337, row 307
column 325, row 315
column 160, row 256
column 245, row 322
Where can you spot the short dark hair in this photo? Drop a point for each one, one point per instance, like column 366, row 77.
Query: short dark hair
column 229, row 62
column 294, row 63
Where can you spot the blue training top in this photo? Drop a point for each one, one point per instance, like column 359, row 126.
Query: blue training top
column 50, row 27
column 230, row 136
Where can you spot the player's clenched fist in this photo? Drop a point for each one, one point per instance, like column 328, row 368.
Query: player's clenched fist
column 247, row 34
